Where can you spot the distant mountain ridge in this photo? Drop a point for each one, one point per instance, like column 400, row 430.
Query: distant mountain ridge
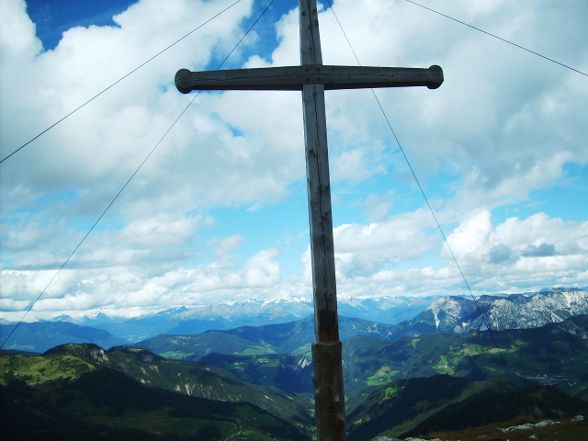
column 413, row 315
column 41, row 336
column 456, row 314
column 293, row 337
column 446, row 315
column 554, row 354
column 515, row 311
column 223, row 316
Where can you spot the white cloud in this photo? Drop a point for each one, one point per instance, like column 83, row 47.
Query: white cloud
column 514, row 255
column 363, row 268
column 262, row 270
column 469, row 237
column 505, row 119
column 97, row 148
column 83, row 291
column 162, row 230
column 353, row 166
column 538, row 248
column 17, row 32
column 365, row 248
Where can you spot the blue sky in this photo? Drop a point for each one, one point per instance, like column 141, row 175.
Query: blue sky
column 52, row 18
column 219, row 212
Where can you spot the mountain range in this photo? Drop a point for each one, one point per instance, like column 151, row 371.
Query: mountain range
column 107, row 405
column 43, row 335
column 293, row 337
column 222, row 316
column 423, row 315
column 515, row 311
column 410, row 386
column 442, row 370
column 82, row 369
column 555, row 354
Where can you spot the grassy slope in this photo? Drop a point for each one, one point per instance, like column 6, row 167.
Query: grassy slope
column 499, row 401
column 551, row 355
column 422, row 405
column 568, row 429
column 291, row 373
column 35, row 369
column 199, row 345
column 41, row 336
column 294, row 337
column 402, row 403
column 69, row 362
column 107, row 402
column 548, row 355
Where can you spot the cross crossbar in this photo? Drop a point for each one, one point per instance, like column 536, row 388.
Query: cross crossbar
column 295, row 77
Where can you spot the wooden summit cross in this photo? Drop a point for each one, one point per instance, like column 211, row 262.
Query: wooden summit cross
column 313, row 78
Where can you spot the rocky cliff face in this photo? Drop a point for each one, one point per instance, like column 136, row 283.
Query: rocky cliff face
column 519, row 311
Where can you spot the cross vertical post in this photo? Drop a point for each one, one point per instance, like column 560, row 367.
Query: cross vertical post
column 327, row 350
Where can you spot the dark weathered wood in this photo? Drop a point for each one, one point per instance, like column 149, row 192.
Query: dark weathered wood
column 327, row 376
column 329, row 397
column 320, row 213
column 295, row 77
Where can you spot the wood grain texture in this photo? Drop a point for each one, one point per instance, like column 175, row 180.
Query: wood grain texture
column 296, row 77
column 329, row 396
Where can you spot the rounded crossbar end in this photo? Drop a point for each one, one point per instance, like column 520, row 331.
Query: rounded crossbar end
column 183, row 80
column 437, row 77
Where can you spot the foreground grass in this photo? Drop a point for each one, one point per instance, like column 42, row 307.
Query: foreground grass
column 562, row 430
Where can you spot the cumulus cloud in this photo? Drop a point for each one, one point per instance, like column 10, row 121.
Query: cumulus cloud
column 501, row 253
column 538, row 248
column 126, row 290
column 510, row 255
column 360, row 248
column 94, row 151
column 541, row 250
column 262, row 269
column 505, row 120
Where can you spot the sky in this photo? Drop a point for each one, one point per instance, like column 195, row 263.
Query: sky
column 219, row 212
